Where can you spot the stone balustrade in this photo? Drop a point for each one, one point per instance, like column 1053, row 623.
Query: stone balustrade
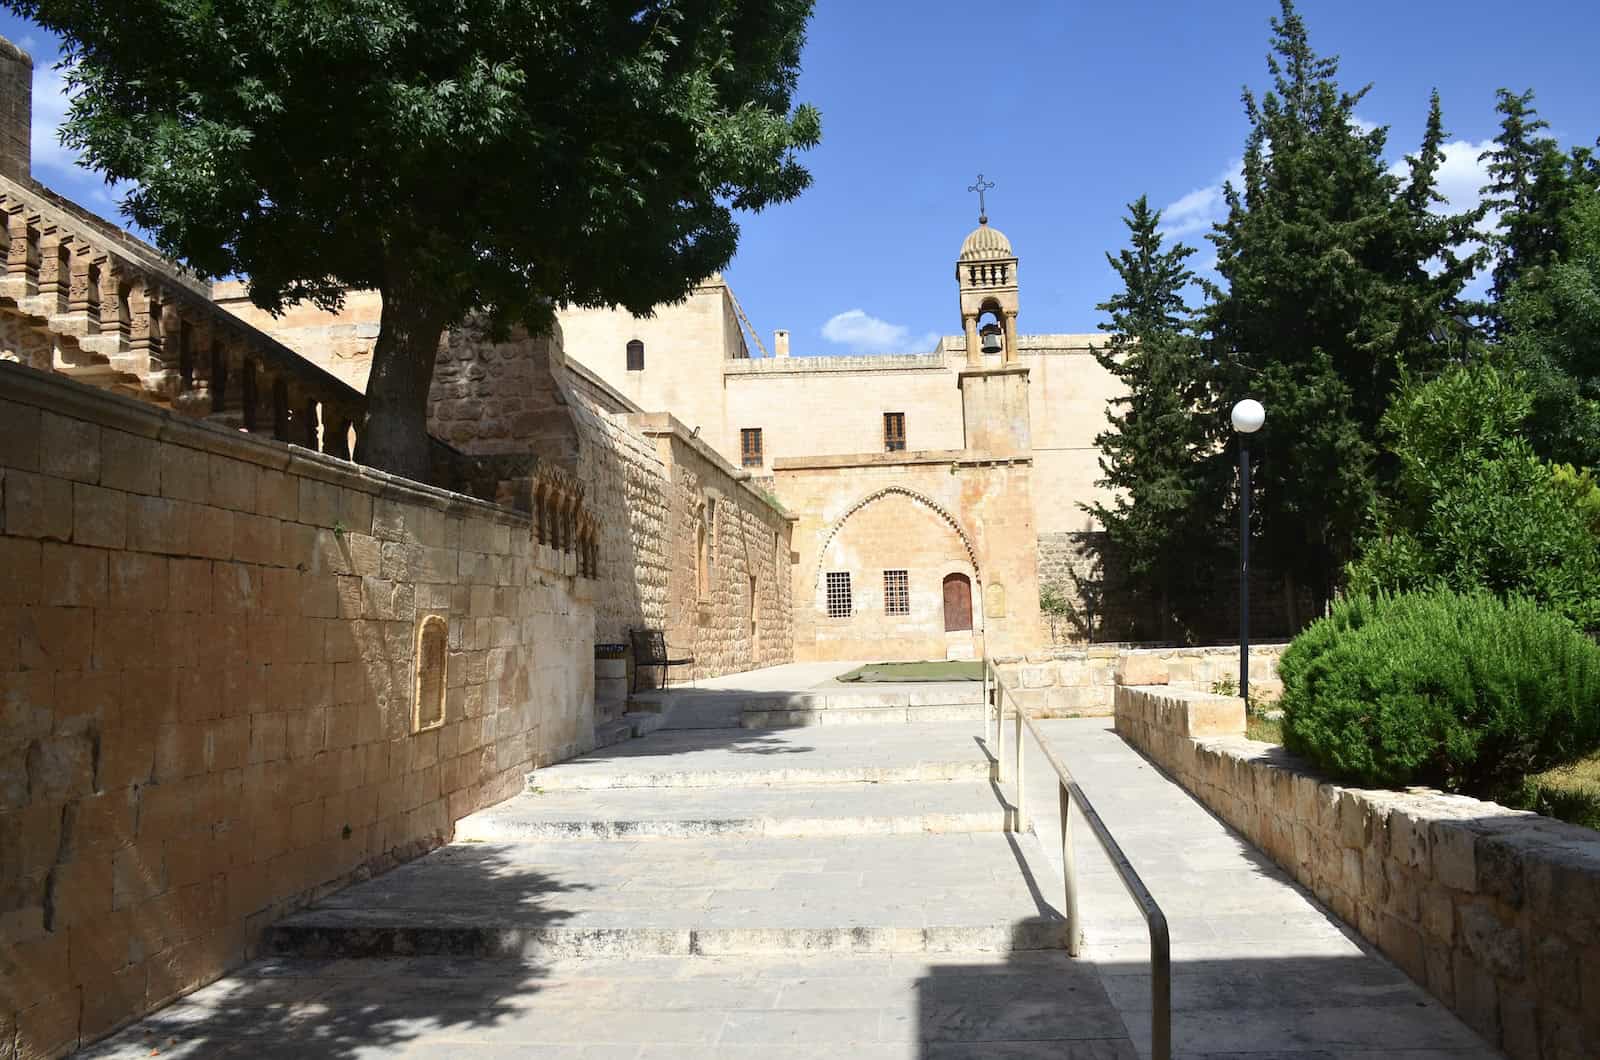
column 83, row 299
column 1495, row 911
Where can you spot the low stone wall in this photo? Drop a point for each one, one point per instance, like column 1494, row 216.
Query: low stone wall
column 1080, row 682
column 208, row 686
column 1495, row 911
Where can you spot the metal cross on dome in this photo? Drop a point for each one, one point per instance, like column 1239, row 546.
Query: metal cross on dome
column 981, row 187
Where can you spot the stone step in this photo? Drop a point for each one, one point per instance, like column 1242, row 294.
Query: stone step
column 793, row 757
column 783, row 718
column 873, row 1007
column 968, row 893
column 628, row 727
column 838, row 810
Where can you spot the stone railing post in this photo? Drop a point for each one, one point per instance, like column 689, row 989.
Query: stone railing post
column 114, row 308
column 22, row 253
column 55, row 265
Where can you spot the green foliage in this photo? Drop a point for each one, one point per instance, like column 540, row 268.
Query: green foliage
column 473, row 155
column 1464, row 692
column 1552, row 317
column 1473, row 506
column 1054, row 602
column 1337, row 275
column 1160, row 523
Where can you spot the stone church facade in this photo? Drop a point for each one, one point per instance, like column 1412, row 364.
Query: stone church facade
column 928, row 489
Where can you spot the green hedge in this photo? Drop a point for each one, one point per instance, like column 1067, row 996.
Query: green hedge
column 1464, row 692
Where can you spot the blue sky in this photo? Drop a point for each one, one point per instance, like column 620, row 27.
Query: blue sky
column 1072, row 108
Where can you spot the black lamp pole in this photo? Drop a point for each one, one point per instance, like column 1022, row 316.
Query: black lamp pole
column 1244, row 568
column 1247, row 417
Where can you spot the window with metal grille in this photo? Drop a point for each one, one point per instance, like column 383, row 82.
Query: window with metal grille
column 635, row 355
column 750, row 447
column 896, row 592
column 839, row 594
column 894, row 431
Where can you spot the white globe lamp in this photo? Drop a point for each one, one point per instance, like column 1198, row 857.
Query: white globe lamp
column 1248, row 416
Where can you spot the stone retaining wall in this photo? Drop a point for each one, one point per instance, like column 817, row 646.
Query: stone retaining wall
column 1080, row 682
column 207, row 684
column 1495, row 911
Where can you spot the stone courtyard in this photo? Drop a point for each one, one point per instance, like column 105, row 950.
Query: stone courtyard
column 812, row 891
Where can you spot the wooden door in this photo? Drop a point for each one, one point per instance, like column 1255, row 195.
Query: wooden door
column 957, row 603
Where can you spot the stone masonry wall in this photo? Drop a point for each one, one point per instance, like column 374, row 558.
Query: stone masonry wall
column 627, row 491
column 16, row 107
column 207, row 665
column 1080, row 682
column 740, row 616
column 1495, row 911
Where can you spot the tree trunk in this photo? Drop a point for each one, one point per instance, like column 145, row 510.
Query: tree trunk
column 395, row 437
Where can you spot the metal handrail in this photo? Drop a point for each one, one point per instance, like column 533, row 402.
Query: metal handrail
column 996, row 695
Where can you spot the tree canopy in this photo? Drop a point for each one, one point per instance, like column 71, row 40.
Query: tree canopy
column 460, row 156
column 1336, row 273
column 1155, row 521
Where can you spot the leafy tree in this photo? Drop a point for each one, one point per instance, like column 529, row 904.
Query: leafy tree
column 1474, row 508
column 1150, row 454
column 1337, row 273
column 455, row 156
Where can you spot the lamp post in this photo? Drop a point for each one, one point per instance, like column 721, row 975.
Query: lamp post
column 1248, row 416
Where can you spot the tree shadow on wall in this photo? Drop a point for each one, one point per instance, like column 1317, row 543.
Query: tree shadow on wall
column 427, row 960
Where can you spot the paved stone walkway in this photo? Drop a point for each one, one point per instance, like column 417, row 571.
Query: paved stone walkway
column 808, row 893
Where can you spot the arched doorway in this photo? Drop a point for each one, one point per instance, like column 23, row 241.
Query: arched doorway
column 957, row 603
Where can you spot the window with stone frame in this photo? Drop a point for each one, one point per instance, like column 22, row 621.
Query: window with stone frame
column 750, row 453
column 896, row 592
column 894, row 432
column 839, row 602
column 635, row 355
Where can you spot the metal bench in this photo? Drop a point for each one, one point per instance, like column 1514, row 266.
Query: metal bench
column 650, row 649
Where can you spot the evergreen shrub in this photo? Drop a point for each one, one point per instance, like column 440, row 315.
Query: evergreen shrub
column 1462, row 691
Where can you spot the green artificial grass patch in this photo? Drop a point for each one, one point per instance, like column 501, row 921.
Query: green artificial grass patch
column 965, row 670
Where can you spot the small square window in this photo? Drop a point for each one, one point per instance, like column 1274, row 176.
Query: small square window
column 839, row 594
column 750, row 454
column 894, row 432
column 896, row 592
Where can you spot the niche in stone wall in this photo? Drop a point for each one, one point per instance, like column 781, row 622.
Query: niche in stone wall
column 432, row 658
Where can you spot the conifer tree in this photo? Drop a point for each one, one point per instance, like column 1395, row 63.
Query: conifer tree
column 1530, row 184
column 1150, row 454
column 1336, row 274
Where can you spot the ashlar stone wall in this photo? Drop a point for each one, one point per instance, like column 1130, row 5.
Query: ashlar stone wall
column 207, row 675
column 1495, row 911
column 1081, row 682
column 729, row 593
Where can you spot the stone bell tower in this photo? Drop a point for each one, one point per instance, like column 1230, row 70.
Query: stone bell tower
column 994, row 383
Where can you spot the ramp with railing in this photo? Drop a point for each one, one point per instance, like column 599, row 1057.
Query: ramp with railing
column 999, row 701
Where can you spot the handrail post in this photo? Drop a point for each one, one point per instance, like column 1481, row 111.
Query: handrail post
column 1160, row 989
column 1022, row 816
column 1069, row 872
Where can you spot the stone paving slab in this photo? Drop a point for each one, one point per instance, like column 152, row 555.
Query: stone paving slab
column 895, row 893
column 893, row 1008
column 831, row 809
column 1259, row 967
column 732, row 757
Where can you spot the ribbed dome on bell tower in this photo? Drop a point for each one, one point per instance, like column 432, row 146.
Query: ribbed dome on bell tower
column 985, row 244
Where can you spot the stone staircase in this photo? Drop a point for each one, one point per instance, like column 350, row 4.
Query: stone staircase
column 798, row 842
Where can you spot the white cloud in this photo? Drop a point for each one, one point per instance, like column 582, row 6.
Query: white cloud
column 1201, row 208
column 50, row 103
column 864, row 333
